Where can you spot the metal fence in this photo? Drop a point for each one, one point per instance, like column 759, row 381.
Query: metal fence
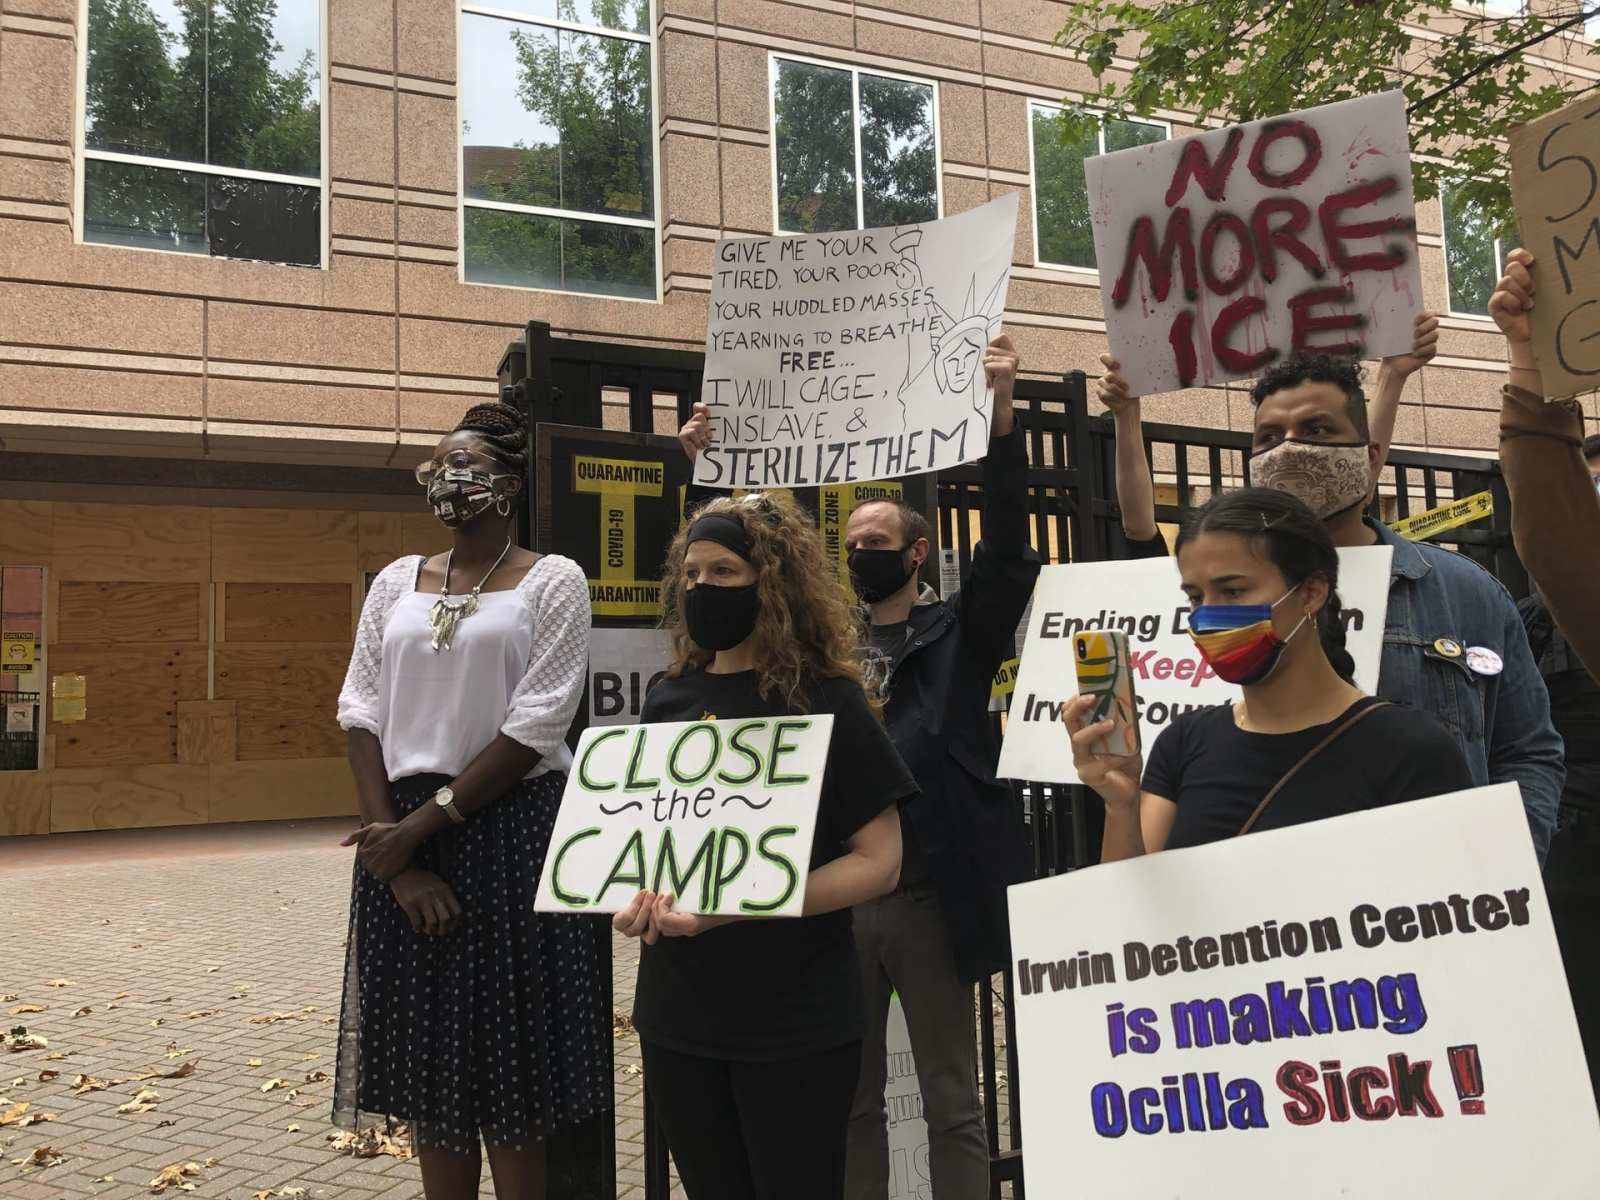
column 1073, row 518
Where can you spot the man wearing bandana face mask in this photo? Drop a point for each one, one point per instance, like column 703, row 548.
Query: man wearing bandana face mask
column 1453, row 643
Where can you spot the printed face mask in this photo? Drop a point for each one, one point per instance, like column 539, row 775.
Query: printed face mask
column 719, row 618
column 1238, row 640
column 1327, row 477
column 878, row 574
column 459, row 494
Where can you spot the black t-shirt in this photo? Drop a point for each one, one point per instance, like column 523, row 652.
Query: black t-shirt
column 1216, row 773
column 1155, row 547
column 765, row 990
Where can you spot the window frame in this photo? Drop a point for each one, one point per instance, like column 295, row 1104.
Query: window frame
column 81, row 154
column 1056, row 106
column 1444, row 247
column 774, row 57
column 465, row 8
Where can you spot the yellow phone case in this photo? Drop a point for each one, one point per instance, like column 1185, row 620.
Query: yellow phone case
column 1104, row 672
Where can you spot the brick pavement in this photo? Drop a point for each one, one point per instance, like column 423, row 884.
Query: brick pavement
column 174, row 941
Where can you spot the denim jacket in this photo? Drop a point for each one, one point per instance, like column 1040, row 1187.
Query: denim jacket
column 1500, row 721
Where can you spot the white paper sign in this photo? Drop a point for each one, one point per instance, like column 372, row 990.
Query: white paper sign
column 1370, row 1006
column 1223, row 251
column 624, row 665
column 1142, row 597
column 720, row 814
column 838, row 357
column 909, row 1174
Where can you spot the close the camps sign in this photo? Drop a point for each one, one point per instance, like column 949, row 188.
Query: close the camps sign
column 1370, row 1006
column 841, row 357
column 1224, row 251
column 720, row 814
column 1143, row 598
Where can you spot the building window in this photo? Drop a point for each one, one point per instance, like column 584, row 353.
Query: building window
column 1474, row 253
column 203, row 127
column 852, row 149
column 557, row 146
column 1063, row 234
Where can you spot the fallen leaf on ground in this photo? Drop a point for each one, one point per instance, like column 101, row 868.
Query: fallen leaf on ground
column 317, row 1077
column 211, row 1162
column 158, row 1023
column 23, row 1010
column 88, row 1083
column 44, row 1156
column 183, row 1072
column 83, row 1012
column 310, row 1057
column 105, row 1178
column 19, row 1115
column 371, row 1142
column 165, row 1124
column 198, row 1013
column 19, row 1039
column 143, row 1100
column 120, row 996
column 291, row 1193
column 212, row 970
column 8, row 998
column 273, row 1018
column 254, row 1062
column 293, row 1129
column 54, row 1056
column 174, row 1052
column 631, row 1070
column 174, row 1176
column 59, row 983
column 273, row 1085
column 46, row 1076
column 621, row 1024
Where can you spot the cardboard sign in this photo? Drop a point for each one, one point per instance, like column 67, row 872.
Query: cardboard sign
column 838, row 357
column 1223, row 251
column 624, row 664
column 910, row 1177
column 1367, row 1006
column 1142, row 597
column 718, row 813
column 1555, row 185
column 1447, row 516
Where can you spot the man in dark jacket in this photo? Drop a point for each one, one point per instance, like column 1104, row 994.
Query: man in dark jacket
column 944, row 927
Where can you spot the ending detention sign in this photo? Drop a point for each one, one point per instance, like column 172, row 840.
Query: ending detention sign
column 721, row 814
column 1367, row 1006
column 840, row 357
column 1223, row 251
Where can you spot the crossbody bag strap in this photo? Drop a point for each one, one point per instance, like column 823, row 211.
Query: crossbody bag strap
column 1310, row 754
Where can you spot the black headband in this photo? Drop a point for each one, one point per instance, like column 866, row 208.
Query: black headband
column 724, row 530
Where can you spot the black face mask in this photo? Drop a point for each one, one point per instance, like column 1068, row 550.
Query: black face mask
column 879, row 574
column 719, row 618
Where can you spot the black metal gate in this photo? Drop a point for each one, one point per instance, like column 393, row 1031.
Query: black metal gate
column 1073, row 519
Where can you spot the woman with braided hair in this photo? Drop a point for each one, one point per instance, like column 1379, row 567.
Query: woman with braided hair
column 1262, row 575
column 466, row 1014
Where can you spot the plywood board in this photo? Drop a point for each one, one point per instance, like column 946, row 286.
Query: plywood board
column 264, row 545
column 285, row 612
column 131, row 612
column 120, row 798
column 133, row 695
column 288, row 697
column 378, row 540
column 422, row 534
column 207, row 731
column 277, row 791
column 24, row 803
column 132, row 542
column 26, row 532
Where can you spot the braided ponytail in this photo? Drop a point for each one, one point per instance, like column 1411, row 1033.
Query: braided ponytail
column 504, row 429
column 1330, row 626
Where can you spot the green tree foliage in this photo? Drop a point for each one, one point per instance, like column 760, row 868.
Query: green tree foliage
column 1468, row 75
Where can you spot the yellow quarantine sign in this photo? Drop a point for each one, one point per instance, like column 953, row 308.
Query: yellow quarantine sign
column 619, row 482
column 1446, row 516
column 17, row 651
column 835, row 503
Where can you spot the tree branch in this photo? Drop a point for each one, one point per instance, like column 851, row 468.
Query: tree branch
column 1504, row 56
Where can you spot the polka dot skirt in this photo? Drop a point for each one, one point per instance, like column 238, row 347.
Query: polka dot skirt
column 497, row 1030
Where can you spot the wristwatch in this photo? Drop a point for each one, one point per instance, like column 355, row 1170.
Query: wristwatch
column 446, row 799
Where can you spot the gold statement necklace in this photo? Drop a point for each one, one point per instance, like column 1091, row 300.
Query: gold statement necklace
column 443, row 617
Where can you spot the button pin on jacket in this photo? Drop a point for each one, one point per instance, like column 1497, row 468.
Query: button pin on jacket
column 1484, row 661
column 1447, row 648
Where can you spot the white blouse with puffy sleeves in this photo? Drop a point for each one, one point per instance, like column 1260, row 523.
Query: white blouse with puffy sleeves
column 516, row 666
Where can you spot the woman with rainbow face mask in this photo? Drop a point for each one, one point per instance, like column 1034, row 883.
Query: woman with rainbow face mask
column 1261, row 575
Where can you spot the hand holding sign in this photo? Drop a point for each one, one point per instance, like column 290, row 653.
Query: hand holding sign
column 1511, row 305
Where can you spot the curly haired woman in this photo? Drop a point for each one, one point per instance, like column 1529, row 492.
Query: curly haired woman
column 751, row 1028
column 465, row 1014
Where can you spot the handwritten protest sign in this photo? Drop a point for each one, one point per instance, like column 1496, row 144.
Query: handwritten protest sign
column 1223, row 251
column 1366, row 1006
column 1555, row 184
column 839, row 357
column 718, row 813
column 1142, row 597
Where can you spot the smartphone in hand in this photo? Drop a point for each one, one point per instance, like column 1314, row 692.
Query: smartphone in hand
column 1105, row 672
